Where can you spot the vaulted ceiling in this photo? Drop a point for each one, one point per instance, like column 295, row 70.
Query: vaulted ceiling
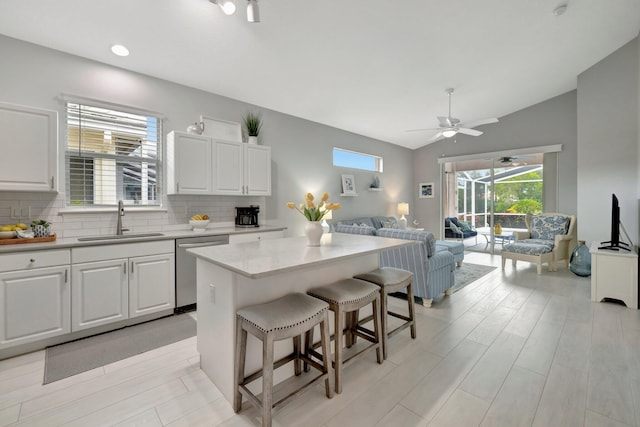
column 374, row 67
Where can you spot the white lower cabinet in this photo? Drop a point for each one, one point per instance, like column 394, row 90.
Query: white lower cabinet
column 35, row 300
column 109, row 290
column 100, row 293
column 151, row 284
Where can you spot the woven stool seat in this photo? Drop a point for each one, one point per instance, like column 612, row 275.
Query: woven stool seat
column 391, row 280
column 286, row 317
column 347, row 297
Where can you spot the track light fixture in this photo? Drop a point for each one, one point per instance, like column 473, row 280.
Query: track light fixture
column 227, row 6
column 253, row 12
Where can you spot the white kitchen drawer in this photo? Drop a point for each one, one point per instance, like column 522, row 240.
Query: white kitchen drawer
column 123, row 250
column 254, row 237
column 34, row 259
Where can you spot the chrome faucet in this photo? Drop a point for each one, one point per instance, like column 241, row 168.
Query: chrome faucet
column 119, row 228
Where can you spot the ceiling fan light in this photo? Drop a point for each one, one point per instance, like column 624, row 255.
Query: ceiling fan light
column 227, row 6
column 448, row 133
column 253, row 12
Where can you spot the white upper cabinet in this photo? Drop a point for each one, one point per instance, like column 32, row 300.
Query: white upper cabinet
column 257, row 170
column 228, row 167
column 241, row 169
column 32, row 134
column 202, row 165
column 188, row 164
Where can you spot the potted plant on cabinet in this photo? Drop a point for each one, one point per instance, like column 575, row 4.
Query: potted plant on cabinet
column 253, row 124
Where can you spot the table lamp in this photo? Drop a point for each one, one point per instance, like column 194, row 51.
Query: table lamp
column 325, row 226
column 403, row 209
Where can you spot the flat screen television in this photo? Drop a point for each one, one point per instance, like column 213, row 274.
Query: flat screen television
column 614, row 244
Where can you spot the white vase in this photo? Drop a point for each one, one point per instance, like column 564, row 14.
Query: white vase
column 253, row 140
column 313, row 231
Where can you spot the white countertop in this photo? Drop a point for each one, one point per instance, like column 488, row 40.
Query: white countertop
column 166, row 235
column 272, row 256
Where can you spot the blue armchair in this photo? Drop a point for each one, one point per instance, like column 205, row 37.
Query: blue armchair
column 456, row 229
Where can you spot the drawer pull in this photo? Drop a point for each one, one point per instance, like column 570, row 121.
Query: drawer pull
column 32, row 260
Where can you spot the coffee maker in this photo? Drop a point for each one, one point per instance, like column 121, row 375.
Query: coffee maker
column 247, row 216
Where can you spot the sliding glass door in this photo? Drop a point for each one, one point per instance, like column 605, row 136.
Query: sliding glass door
column 494, row 196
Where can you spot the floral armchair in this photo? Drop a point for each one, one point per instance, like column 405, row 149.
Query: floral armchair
column 551, row 238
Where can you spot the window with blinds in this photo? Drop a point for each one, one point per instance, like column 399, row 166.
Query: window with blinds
column 112, row 155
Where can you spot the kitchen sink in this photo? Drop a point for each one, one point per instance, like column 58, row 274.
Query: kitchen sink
column 118, row 237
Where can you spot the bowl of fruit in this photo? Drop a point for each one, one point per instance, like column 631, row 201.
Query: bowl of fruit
column 199, row 222
column 9, row 231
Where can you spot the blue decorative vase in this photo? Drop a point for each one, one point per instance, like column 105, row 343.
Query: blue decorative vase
column 580, row 262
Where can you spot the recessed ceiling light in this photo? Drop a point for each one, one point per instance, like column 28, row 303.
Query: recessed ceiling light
column 560, row 10
column 119, row 50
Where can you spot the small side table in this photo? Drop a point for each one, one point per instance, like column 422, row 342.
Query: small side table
column 614, row 274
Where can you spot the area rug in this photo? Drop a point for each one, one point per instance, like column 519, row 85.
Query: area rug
column 78, row 356
column 469, row 273
column 465, row 274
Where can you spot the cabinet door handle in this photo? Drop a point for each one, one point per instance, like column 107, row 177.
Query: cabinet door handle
column 66, row 276
column 124, row 267
column 132, row 266
column 178, row 187
column 52, row 182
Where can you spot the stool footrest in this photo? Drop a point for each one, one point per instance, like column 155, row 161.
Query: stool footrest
column 286, row 389
column 278, row 363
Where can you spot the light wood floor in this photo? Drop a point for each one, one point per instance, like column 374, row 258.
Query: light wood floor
column 511, row 349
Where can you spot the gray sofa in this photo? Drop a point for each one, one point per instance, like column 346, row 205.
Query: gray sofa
column 432, row 265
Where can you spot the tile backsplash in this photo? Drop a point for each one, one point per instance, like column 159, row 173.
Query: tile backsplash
column 174, row 214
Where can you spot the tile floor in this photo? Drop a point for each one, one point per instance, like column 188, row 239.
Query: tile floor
column 511, row 349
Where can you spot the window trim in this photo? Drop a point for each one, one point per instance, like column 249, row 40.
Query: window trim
column 66, row 153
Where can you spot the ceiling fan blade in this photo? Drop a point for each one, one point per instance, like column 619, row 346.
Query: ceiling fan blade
column 437, row 137
column 472, row 132
column 480, row 122
column 445, row 121
column 421, row 130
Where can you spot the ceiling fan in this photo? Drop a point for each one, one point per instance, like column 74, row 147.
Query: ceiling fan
column 510, row 160
column 450, row 126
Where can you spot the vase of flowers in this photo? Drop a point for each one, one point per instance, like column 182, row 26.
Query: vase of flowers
column 314, row 213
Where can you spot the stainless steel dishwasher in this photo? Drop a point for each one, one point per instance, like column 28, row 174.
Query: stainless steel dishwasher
column 186, row 269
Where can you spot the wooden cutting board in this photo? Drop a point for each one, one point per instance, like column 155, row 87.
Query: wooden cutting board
column 16, row 241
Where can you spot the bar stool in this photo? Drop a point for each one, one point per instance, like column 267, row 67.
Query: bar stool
column 392, row 280
column 286, row 317
column 344, row 297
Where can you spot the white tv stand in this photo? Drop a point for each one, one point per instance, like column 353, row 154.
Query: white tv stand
column 614, row 274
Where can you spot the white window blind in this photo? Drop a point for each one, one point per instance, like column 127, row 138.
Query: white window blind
column 112, row 155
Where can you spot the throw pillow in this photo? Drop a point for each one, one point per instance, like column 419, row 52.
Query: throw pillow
column 455, row 228
column 389, row 224
column 464, row 226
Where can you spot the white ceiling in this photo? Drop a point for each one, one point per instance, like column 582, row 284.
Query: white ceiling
column 373, row 67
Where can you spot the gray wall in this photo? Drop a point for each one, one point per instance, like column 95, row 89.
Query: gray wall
column 301, row 150
column 547, row 123
column 608, row 140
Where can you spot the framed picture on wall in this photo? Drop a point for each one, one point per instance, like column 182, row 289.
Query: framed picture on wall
column 426, row 190
column 348, row 184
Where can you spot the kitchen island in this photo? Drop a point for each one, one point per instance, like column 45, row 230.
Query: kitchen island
column 234, row 276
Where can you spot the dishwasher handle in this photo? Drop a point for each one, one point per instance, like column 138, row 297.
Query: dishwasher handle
column 199, row 245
